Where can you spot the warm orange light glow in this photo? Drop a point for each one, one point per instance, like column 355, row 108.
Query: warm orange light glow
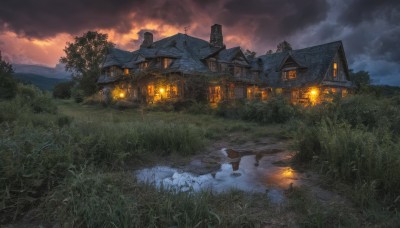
column 162, row 90
column 214, row 94
column 313, row 95
column 314, row 92
column 118, row 93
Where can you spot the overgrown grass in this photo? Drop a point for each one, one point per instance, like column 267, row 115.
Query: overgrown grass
column 356, row 141
column 116, row 200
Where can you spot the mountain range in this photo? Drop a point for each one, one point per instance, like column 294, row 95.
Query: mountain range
column 41, row 76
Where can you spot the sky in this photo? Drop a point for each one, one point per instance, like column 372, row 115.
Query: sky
column 36, row 31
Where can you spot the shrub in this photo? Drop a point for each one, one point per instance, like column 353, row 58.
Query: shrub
column 8, row 86
column 63, row 90
column 77, row 94
column 43, row 104
column 275, row 110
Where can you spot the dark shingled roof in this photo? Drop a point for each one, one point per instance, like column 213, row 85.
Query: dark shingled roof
column 315, row 62
column 188, row 55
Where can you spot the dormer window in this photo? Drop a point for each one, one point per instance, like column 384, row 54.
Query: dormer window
column 335, row 69
column 166, row 62
column 143, row 65
column 288, row 75
column 126, row 71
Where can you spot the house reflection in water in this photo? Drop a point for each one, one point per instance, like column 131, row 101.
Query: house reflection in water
column 270, row 174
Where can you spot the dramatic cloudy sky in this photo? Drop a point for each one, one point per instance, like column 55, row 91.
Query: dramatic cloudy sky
column 35, row 31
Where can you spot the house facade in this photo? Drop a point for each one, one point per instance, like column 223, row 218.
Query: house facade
column 185, row 67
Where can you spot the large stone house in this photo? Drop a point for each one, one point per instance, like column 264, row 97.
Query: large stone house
column 171, row 69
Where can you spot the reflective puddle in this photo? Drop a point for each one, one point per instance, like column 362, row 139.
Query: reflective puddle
column 242, row 170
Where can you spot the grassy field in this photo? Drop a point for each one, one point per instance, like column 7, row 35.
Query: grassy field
column 70, row 164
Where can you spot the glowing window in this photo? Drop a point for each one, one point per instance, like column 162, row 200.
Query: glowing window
column 335, row 68
column 166, row 62
column 126, row 71
column 150, row 90
column 143, row 65
column 292, row 74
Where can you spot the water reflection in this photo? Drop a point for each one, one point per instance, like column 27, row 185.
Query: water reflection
column 246, row 171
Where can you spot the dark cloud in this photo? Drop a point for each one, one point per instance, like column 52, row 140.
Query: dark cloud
column 275, row 17
column 359, row 11
column 46, row 18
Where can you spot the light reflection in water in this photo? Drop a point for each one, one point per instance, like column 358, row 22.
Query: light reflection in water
column 251, row 172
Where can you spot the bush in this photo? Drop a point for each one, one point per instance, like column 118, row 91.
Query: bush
column 63, row 90
column 43, row 104
column 275, row 110
column 77, row 94
column 8, row 86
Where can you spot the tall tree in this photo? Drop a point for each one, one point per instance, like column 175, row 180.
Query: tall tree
column 8, row 86
column 84, row 57
column 269, row 52
column 283, row 46
column 250, row 54
column 360, row 79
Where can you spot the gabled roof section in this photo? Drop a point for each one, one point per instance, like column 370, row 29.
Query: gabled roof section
column 117, row 57
column 287, row 59
column 317, row 59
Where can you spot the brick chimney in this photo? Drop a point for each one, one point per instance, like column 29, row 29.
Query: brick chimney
column 147, row 40
column 216, row 38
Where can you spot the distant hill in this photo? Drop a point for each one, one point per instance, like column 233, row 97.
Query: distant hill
column 57, row 72
column 44, row 83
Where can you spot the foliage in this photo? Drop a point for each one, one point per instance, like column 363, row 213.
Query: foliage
column 275, row 110
column 196, row 88
column 8, row 86
column 63, row 90
column 250, row 54
column 283, row 46
column 77, row 94
column 84, row 57
column 360, row 79
column 114, row 200
column 355, row 140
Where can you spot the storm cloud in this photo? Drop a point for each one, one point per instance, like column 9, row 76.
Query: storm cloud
column 369, row 29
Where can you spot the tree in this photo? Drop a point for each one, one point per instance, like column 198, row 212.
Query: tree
column 250, row 54
column 63, row 90
column 84, row 57
column 8, row 86
column 283, row 46
column 360, row 79
column 269, row 52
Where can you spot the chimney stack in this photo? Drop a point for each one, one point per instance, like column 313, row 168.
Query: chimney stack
column 216, row 38
column 148, row 40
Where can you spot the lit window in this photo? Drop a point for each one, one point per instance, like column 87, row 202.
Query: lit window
column 214, row 94
column 292, row 74
column 335, row 67
column 150, row 90
column 166, row 62
column 143, row 65
column 126, row 71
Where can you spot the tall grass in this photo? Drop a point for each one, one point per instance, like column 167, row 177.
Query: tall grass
column 38, row 146
column 368, row 159
column 116, row 200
